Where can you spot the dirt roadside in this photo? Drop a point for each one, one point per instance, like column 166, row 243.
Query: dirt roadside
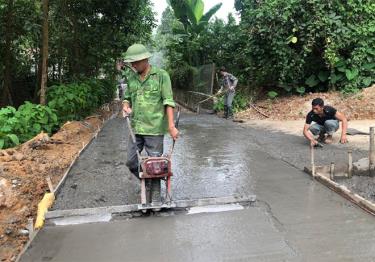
column 359, row 106
column 23, row 173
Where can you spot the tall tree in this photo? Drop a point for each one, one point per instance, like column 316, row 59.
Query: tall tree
column 43, row 82
column 85, row 38
column 6, row 95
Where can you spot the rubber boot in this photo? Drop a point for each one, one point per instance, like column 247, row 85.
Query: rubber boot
column 155, row 194
column 230, row 112
column 225, row 112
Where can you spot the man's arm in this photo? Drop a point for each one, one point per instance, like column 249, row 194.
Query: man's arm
column 235, row 81
column 171, row 127
column 309, row 135
column 221, row 90
column 126, row 107
column 169, row 104
column 344, row 126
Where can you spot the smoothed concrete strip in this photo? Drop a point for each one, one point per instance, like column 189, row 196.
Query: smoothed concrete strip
column 77, row 220
column 214, row 209
column 90, row 215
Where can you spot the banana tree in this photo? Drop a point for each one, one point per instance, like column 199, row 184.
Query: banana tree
column 191, row 14
column 192, row 22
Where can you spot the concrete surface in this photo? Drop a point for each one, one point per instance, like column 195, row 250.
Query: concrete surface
column 295, row 218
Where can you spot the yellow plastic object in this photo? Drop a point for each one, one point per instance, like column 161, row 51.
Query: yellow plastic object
column 43, row 206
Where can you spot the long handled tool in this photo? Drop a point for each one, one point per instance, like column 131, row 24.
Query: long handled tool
column 213, row 97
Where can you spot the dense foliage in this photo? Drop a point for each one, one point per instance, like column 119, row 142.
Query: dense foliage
column 292, row 46
column 309, row 44
column 77, row 100
column 18, row 126
column 85, row 40
column 67, row 102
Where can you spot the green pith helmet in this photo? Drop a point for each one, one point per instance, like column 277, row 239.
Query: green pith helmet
column 135, row 53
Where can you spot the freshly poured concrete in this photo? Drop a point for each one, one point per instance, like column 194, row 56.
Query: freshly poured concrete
column 294, row 219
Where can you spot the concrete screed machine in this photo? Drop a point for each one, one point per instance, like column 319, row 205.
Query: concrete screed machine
column 154, row 167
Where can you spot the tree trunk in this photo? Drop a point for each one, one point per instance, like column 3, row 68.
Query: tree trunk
column 6, row 96
column 60, row 69
column 60, row 59
column 76, row 48
column 43, row 82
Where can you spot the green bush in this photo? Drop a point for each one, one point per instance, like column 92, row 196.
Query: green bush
column 318, row 45
column 77, row 100
column 240, row 102
column 182, row 76
column 66, row 102
column 18, row 126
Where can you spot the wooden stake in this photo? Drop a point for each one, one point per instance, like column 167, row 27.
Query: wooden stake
column 30, row 227
column 312, row 161
column 332, row 171
column 50, row 185
column 350, row 164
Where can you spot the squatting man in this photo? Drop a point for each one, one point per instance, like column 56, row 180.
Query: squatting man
column 326, row 122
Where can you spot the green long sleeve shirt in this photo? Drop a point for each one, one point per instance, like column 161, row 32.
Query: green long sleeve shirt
column 148, row 99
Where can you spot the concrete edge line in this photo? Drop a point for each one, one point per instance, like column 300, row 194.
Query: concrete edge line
column 137, row 207
column 343, row 191
column 35, row 233
column 59, row 185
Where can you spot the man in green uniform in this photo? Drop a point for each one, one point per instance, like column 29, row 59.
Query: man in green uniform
column 149, row 100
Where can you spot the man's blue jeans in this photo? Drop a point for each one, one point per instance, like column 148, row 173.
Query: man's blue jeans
column 329, row 127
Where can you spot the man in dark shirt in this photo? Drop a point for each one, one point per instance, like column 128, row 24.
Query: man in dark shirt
column 326, row 122
column 227, row 86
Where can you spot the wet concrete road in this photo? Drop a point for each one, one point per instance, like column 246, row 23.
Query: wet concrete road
column 295, row 218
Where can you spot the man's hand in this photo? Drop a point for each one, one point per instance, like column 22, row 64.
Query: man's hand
column 231, row 88
column 313, row 142
column 343, row 139
column 173, row 131
column 126, row 110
